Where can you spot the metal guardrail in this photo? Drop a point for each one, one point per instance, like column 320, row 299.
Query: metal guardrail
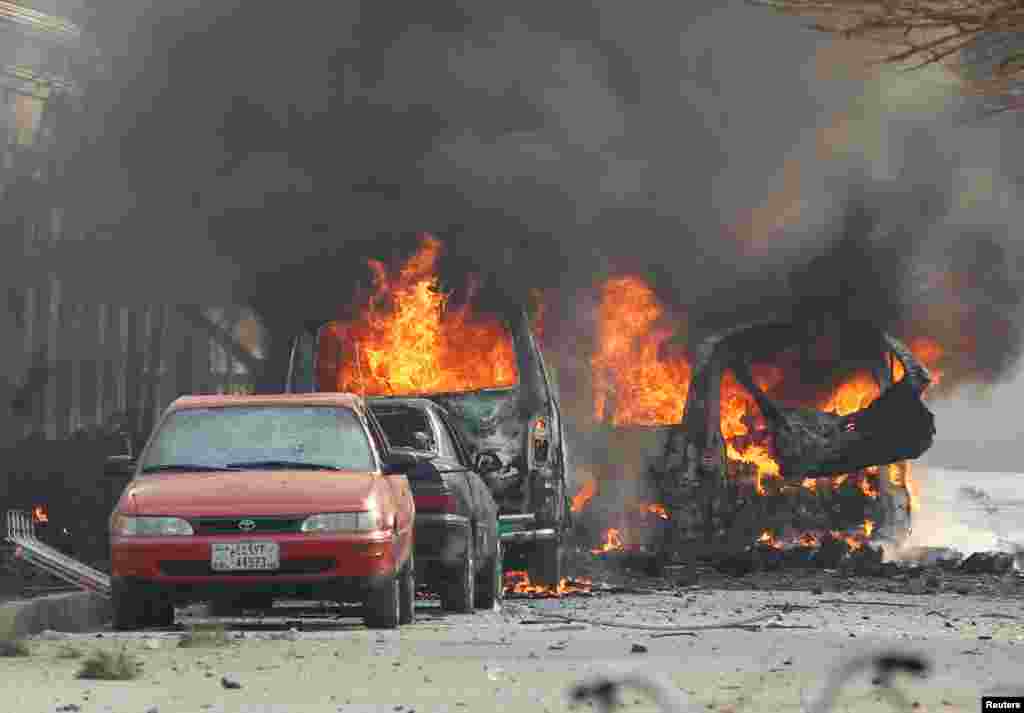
column 21, row 533
column 520, row 528
column 529, row 535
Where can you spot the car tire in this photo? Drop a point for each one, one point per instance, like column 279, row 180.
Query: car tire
column 131, row 610
column 490, row 586
column 545, row 564
column 408, row 594
column 384, row 604
column 162, row 613
column 460, row 591
column 225, row 607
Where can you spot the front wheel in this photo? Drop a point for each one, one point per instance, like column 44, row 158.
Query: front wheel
column 460, row 591
column 133, row 609
column 545, row 564
column 408, row 594
column 384, row 604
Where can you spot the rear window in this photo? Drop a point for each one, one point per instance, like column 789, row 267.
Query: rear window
column 405, row 427
column 330, row 436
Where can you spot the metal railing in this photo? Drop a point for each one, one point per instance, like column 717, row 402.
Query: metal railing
column 21, row 533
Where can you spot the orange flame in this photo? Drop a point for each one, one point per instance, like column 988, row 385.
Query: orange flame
column 869, row 527
column 855, row 393
column 913, row 489
column 39, row 514
column 613, row 541
column 583, row 495
column 658, row 509
column 518, row 582
column 408, row 340
column 633, row 381
column 767, row 538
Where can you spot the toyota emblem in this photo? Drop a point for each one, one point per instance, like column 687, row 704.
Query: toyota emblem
column 246, row 525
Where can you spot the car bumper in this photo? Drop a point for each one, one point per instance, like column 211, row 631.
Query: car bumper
column 309, row 565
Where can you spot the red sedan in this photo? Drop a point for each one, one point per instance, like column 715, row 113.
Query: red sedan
column 243, row 500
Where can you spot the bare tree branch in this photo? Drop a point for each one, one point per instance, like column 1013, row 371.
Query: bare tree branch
column 926, row 33
column 198, row 318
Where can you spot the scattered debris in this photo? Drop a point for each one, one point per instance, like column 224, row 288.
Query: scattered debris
column 67, row 651
column 291, row 635
column 107, row 666
column 932, row 556
column 675, row 633
column 230, row 682
column 14, row 647
column 869, row 603
column 566, row 627
column 742, row 624
column 204, row 635
column 988, row 563
column 69, row 708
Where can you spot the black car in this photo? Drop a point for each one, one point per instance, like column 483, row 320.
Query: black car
column 457, row 546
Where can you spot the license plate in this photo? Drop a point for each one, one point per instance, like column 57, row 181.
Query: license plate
column 234, row 556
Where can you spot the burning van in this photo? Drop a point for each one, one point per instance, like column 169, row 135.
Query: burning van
column 486, row 369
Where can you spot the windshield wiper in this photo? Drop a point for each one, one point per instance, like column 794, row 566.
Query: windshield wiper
column 171, row 467
column 296, row 464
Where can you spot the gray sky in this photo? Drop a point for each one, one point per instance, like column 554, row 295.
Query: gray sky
column 980, row 431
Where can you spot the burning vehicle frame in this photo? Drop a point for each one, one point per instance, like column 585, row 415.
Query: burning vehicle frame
column 717, row 496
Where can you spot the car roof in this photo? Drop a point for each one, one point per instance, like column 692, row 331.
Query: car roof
column 409, row 402
column 312, row 399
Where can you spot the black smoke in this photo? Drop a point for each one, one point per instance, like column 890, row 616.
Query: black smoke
column 265, row 151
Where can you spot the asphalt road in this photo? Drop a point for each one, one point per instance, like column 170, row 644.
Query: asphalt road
column 519, row 659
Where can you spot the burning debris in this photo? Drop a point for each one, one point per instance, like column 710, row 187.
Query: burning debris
column 517, row 583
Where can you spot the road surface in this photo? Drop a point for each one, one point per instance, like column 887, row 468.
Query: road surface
column 519, row 659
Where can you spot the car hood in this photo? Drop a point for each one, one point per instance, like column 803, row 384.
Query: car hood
column 251, row 492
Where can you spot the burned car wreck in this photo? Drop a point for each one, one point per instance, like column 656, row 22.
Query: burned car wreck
column 792, row 467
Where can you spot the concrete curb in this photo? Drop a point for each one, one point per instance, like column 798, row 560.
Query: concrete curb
column 74, row 612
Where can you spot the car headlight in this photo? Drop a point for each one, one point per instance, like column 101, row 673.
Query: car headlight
column 343, row 522
column 129, row 526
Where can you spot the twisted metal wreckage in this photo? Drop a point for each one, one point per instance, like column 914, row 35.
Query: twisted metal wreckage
column 693, row 469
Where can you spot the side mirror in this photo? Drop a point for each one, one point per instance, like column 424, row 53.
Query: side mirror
column 398, row 463
column 119, row 467
column 488, row 462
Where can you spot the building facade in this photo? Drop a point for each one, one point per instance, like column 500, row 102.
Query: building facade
column 70, row 361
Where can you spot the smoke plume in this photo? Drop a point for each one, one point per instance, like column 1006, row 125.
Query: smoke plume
column 268, row 150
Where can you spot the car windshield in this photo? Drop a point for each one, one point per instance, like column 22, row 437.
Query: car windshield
column 405, row 427
column 260, row 437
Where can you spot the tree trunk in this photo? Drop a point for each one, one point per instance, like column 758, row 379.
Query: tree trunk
column 133, row 375
column 273, row 374
column 154, row 373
